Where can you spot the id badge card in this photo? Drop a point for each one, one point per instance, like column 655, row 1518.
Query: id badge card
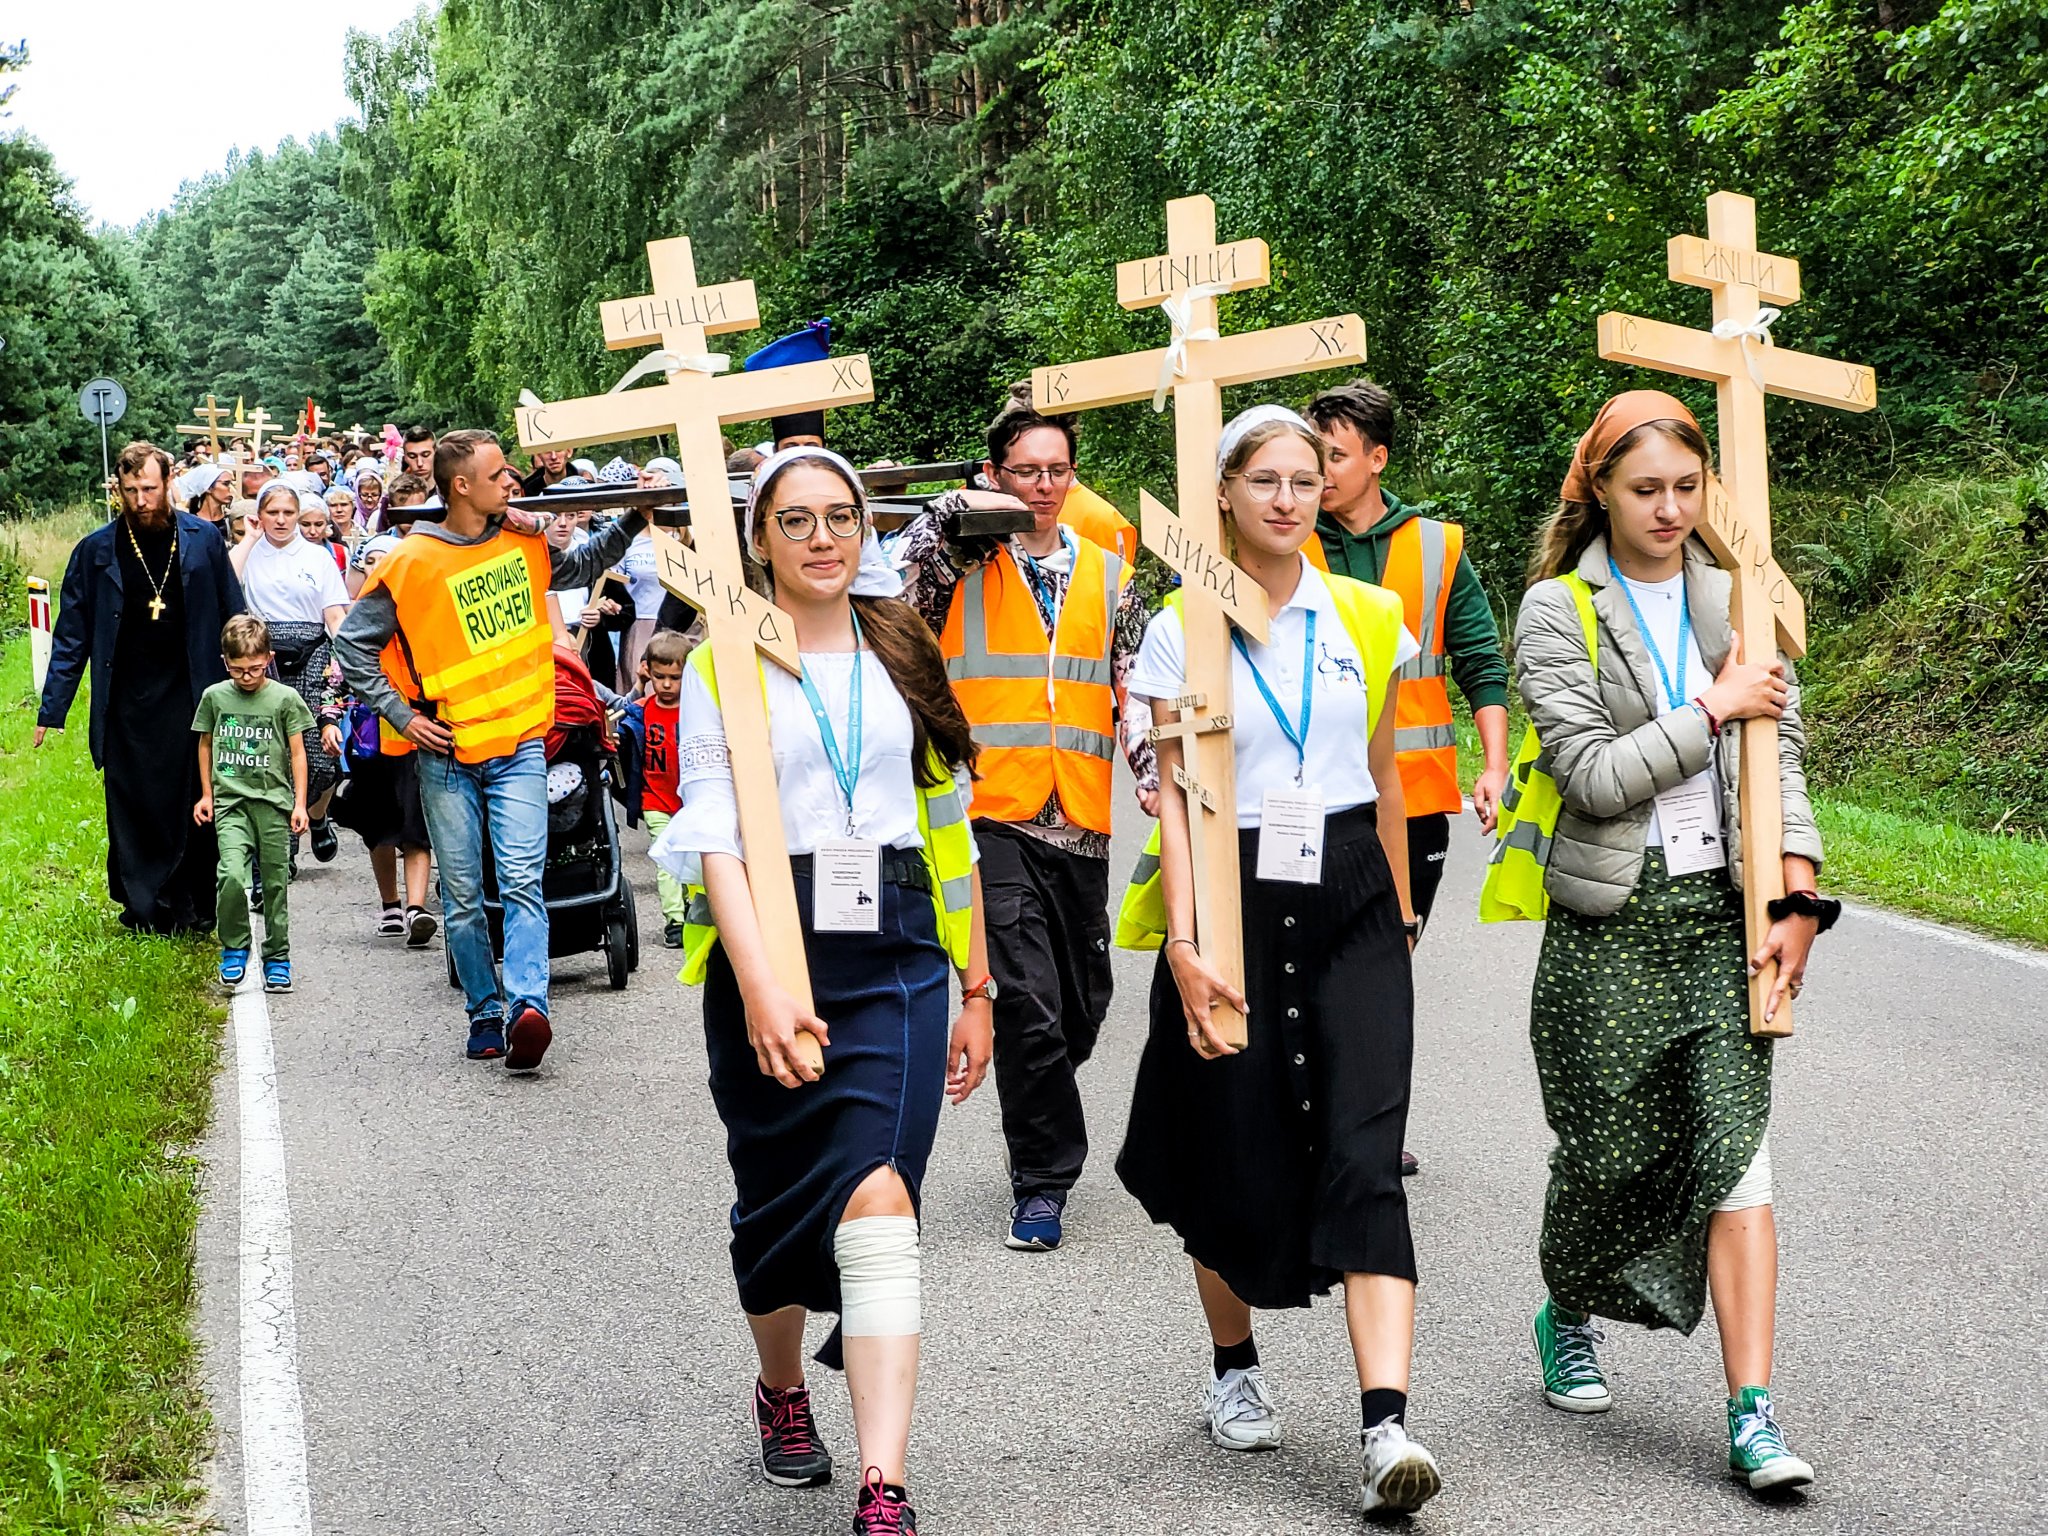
column 1291, row 836
column 846, row 886
column 1688, row 819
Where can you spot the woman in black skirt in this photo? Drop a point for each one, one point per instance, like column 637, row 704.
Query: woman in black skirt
column 1279, row 1163
column 870, row 750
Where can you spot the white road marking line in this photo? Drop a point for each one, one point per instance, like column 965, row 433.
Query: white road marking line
column 274, row 1486
column 2015, row 953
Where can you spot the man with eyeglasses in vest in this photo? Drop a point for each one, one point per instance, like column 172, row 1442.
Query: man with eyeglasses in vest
column 1038, row 630
column 1368, row 533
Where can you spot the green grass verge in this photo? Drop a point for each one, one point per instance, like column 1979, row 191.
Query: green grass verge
column 1996, row 883
column 108, row 1044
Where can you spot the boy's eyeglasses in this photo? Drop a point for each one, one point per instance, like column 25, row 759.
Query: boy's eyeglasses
column 798, row 523
column 248, row 668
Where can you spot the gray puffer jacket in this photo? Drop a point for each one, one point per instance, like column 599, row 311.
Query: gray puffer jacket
column 1609, row 750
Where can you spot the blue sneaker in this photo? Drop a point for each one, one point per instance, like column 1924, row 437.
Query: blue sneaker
column 487, row 1039
column 1035, row 1222
column 277, row 975
column 234, row 965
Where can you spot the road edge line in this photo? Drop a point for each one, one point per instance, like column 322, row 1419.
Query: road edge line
column 275, row 1492
column 2018, row 954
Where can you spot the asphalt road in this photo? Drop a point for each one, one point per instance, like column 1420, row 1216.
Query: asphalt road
column 515, row 1314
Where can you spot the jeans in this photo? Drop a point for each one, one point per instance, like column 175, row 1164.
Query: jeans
column 506, row 800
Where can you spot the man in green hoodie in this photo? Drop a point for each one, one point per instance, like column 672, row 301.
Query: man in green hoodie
column 1368, row 533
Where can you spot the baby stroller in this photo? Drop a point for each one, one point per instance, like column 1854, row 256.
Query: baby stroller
column 584, row 885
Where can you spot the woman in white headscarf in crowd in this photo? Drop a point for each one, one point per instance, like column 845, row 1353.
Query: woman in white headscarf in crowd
column 643, row 578
column 206, row 492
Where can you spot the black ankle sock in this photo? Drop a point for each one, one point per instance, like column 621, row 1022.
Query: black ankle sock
column 1236, row 1357
column 1378, row 1404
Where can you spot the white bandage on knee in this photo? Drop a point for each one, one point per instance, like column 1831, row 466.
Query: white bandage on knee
column 878, row 1277
column 1754, row 1187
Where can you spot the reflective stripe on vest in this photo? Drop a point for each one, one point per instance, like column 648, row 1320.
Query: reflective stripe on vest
column 1422, row 559
column 1042, row 708
column 474, row 638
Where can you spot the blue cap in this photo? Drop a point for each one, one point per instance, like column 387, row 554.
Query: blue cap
column 812, row 344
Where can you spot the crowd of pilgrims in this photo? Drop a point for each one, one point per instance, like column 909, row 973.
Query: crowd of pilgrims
column 947, row 753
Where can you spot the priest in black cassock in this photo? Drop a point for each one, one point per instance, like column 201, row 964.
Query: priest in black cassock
column 143, row 601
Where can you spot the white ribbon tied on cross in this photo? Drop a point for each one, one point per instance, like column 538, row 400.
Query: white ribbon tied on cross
column 1180, row 311
column 1755, row 329
column 663, row 361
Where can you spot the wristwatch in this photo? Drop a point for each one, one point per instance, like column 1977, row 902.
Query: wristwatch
column 1413, row 926
column 986, row 988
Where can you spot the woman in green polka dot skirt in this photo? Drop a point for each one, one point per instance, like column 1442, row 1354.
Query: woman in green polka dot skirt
column 1657, row 1092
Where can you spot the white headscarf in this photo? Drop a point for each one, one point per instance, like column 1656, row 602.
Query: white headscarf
column 1244, row 421
column 668, row 467
column 197, row 482
column 878, row 575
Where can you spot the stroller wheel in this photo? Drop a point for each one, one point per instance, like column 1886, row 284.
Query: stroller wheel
column 632, row 928
column 615, row 952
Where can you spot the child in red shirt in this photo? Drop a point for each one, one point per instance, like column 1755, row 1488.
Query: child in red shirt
column 663, row 662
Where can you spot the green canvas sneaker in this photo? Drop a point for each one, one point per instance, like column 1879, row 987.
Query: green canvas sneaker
column 1756, row 1446
column 1572, row 1379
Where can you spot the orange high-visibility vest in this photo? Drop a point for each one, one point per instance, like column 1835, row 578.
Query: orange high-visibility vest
column 473, row 638
column 1092, row 517
column 1043, row 712
column 1422, row 560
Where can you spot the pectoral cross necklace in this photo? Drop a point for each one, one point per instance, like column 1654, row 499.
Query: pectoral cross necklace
column 156, row 594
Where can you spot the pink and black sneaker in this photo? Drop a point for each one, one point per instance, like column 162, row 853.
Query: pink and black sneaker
column 792, row 1455
column 884, row 1509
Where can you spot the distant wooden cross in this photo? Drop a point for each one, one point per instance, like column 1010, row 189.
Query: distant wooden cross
column 1192, row 370
column 1767, row 610
column 695, row 398
column 212, row 414
column 255, row 427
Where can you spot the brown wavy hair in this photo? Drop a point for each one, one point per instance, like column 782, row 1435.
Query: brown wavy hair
column 905, row 646
column 1575, row 524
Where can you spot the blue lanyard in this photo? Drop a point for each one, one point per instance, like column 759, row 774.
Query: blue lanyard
column 1675, row 696
column 1297, row 735
column 849, row 780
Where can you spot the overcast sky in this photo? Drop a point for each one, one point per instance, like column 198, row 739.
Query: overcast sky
column 135, row 96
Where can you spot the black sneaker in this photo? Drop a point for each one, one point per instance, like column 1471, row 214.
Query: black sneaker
column 884, row 1509
column 1410, row 1165
column 792, row 1455
column 325, row 843
column 671, row 935
column 419, row 927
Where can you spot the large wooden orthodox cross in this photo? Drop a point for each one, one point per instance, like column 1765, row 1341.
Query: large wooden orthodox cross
column 1767, row 611
column 1193, row 370
column 213, row 415
column 692, row 402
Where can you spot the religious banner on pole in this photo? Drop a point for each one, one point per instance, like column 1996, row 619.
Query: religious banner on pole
column 1750, row 288
column 696, row 396
column 1191, row 371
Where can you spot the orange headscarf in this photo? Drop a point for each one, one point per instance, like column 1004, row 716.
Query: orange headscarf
column 1618, row 417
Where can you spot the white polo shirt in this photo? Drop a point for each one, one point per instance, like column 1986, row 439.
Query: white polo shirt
column 1337, row 762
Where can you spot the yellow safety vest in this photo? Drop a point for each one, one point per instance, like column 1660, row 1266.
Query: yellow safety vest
column 948, row 856
column 1513, row 888
column 1372, row 617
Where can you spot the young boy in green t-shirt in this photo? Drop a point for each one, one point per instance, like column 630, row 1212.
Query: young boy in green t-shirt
column 252, row 779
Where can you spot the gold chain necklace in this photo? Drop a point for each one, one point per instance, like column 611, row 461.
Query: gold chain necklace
column 156, row 595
